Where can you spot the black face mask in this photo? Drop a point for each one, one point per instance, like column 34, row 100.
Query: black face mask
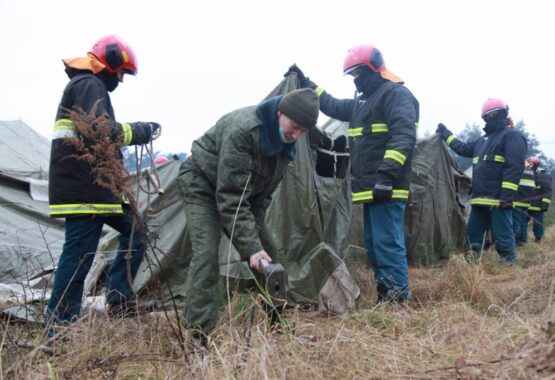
column 494, row 124
column 111, row 81
column 368, row 81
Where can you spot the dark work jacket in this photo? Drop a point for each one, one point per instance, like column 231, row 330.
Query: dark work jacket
column 382, row 137
column 541, row 197
column 72, row 189
column 526, row 188
column 497, row 165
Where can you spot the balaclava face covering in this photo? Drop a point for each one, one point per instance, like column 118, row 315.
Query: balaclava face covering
column 496, row 123
column 111, row 81
column 368, row 81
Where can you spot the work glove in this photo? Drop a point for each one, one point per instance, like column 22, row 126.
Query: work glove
column 545, row 207
column 443, row 131
column 304, row 81
column 382, row 192
column 505, row 204
column 144, row 132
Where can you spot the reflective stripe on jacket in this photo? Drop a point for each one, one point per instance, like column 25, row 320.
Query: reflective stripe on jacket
column 498, row 162
column 72, row 186
column 382, row 137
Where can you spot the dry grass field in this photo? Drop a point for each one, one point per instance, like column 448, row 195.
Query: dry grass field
column 463, row 321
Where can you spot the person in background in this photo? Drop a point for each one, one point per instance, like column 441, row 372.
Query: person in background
column 497, row 159
column 226, row 185
column 383, row 119
column 522, row 204
column 541, row 197
column 76, row 195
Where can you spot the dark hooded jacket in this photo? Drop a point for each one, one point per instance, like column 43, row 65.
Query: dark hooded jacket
column 497, row 164
column 383, row 123
column 73, row 190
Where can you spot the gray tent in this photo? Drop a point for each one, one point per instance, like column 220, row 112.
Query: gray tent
column 30, row 242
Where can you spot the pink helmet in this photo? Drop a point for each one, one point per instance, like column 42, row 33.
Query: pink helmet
column 494, row 104
column 115, row 54
column 534, row 160
column 368, row 55
column 160, row 160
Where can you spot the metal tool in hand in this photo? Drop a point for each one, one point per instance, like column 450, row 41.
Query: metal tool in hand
column 275, row 281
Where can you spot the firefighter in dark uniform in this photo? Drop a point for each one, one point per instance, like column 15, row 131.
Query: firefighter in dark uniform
column 521, row 205
column 383, row 120
column 74, row 193
column 497, row 159
column 541, row 198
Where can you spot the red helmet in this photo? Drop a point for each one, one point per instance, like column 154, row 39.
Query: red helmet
column 534, row 160
column 160, row 160
column 115, row 54
column 370, row 56
column 492, row 105
column 363, row 55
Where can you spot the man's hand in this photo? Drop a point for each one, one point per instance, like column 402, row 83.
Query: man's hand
column 254, row 260
column 156, row 130
column 304, row 81
column 443, row 131
column 505, row 204
column 295, row 69
column 382, row 192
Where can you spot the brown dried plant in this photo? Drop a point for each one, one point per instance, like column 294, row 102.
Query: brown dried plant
column 98, row 144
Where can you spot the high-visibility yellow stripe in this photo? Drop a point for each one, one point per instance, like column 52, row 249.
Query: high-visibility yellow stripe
column 521, row 204
column 127, row 133
column 395, row 155
column 534, row 208
column 379, row 128
column 85, row 208
column 546, row 200
column 450, row 139
column 354, row 132
column 509, row 185
column 527, row 182
column 484, row 202
column 319, row 90
column 367, row 195
column 475, row 160
column 497, row 158
column 63, row 128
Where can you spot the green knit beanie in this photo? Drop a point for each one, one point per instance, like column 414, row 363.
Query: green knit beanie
column 302, row 106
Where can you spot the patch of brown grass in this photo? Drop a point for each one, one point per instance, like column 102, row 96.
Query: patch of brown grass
column 464, row 321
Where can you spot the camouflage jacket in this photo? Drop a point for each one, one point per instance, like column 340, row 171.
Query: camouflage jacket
column 237, row 165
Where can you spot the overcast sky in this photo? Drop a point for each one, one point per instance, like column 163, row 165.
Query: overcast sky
column 201, row 59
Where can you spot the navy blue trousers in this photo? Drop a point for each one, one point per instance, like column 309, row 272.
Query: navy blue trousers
column 520, row 224
column 81, row 241
column 500, row 221
column 384, row 238
column 537, row 223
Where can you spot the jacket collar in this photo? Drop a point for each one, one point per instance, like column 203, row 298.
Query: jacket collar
column 270, row 142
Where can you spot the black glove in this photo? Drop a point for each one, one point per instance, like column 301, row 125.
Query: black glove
column 304, row 81
column 443, row 131
column 505, row 204
column 545, row 207
column 144, row 132
column 156, row 130
column 382, row 192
